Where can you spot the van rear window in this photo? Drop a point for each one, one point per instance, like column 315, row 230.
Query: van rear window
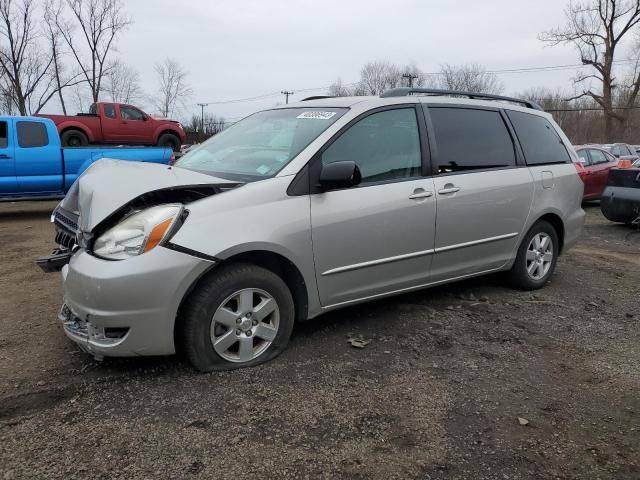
column 32, row 134
column 540, row 142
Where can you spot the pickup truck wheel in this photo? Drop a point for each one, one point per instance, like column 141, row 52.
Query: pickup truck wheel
column 239, row 316
column 169, row 140
column 536, row 258
column 74, row 138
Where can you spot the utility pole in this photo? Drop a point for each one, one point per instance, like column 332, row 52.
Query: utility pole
column 286, row 94
column 202, row 105
column 410, row 78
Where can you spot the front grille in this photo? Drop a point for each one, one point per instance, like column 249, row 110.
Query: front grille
column 66, row 228
column 66, row 220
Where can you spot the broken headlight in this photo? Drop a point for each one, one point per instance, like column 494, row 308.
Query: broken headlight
column 139, row 233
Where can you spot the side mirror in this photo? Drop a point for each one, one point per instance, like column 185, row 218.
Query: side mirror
column 340, row 175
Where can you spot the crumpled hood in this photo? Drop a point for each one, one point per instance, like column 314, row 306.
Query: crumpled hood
column 110, row 184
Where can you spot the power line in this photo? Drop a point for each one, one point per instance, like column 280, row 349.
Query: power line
column 547, row 68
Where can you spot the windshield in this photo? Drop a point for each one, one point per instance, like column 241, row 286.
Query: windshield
column 261, row 145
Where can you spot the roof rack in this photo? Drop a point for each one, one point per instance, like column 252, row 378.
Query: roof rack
column 317, row 97
column 405, row 92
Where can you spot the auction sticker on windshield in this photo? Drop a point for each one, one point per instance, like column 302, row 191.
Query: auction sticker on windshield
column 317, row 115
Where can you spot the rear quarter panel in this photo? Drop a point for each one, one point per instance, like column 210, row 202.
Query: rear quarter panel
column 558, row 190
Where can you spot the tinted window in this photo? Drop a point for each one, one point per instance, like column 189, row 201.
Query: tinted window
column 583, row 155
column 110, row 110
column 130, row 113
column 93, row 109
column 471, row 140
column 385, row 145
column 540, row 141
column 598, row 157
column 32, row 134
column 3, row 134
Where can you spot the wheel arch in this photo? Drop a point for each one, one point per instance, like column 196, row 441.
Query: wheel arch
column 65, row 127
column 166, row 130
column 272, row 261
column 557, row 223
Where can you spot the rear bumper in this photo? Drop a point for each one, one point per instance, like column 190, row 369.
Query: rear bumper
column 620, row 204
column 127, row 308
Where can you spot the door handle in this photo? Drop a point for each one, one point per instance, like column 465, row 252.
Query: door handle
column 4, row 156
column 419, row 194
column 449, row 189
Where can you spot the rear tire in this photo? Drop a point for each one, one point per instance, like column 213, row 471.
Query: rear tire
column 169, row 140
column 239, row 316
column 74, row 138
column 536, row 258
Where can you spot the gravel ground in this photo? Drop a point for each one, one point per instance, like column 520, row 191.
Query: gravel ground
column 437, row 394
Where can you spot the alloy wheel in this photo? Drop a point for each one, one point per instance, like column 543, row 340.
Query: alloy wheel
column 539, row 256
column 244, row 325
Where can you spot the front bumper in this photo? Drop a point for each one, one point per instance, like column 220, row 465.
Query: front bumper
column 127, row 308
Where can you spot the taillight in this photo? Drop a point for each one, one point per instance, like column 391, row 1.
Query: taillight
column 172, row 159
column 581, row 170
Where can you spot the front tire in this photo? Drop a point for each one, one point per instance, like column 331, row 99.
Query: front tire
column 536, row 258
column 239, row 316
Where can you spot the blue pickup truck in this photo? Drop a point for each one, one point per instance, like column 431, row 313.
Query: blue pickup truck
column 33, row 164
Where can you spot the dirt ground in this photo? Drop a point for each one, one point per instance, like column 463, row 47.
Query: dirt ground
column 437, row 394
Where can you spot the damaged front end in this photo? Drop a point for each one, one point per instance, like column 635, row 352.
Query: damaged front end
column 104, row 197
column 66, row 225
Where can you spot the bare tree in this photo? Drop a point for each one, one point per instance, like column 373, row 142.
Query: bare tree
column 99, row 22
column 21, row 62
column 339, row 89
column 212, row 125
column 52, row 13
column 471, row 77
column 123, row 83
column 376, row 77
column 597, row 28
column 172, row 86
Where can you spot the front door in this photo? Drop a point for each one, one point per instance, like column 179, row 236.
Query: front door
column 377, row 237
column 8, row 181
column 135, row 126
column 483, row 193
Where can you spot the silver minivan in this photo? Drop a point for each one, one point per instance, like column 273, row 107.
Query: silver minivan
column 305, row 208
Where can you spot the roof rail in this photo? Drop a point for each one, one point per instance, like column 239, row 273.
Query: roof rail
column 317, row 97
column 405, row 92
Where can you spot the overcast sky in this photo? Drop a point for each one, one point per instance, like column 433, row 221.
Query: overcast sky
column 245, row 48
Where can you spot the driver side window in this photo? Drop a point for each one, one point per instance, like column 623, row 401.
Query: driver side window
column 384, row 145
column 130, row 113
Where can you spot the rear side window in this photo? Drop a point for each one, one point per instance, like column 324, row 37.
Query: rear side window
column 469, row 139
column 540, row 142
column 110, row 110
column 3, row 135
column 599, row 157
column 32, row 134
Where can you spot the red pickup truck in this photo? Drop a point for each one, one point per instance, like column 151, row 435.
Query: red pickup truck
column 117, row 123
